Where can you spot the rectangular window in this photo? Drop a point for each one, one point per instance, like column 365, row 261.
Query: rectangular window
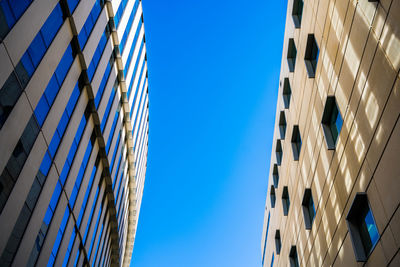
column 285, row 201
column 278, row 152
column 291, row 55
column 286, row 92
column 293, row 259
column 278, row 243
column 297, row 12
column 296, row 142
column 275, row 175
column 311, row 55
column 308, row 208
column 282, row 124
column 332, row 122
column 272, row 195
column 362, row 227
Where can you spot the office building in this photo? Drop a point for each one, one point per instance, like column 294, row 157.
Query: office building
column 334, row 184
column 73, row 131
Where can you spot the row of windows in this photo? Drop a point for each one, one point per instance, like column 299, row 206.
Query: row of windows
column 128, row 27
column 135, row 70
column 19, row 78
column 360, row 221
column 129, row 58
column 97, row 53
column 89, row 24
column 10, row 12
column 310, row 57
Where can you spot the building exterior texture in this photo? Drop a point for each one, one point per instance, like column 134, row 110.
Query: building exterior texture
column 334, row 184
column 73, row 131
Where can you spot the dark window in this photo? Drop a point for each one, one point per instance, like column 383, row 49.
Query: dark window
column 332, row 122
column 311, row 55
column 275, row 175
column 296, row 142
column 297, row 12
column 308, row 209
column 293, row 259
column 291, row 55
column 285, row 200
column 363, row 231
column 287, row 92
column 279, row 152
column 282, row 124
column 272, row 195
column 278, row 242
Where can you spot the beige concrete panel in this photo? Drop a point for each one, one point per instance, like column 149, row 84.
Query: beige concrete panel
column 379, row 21
column 101, row 67
column 385, row 126
column 26, row 28
column 131, row 35
column 81, row 13
column 6, row 66
column 13, row 128
column 94, row 38
column 390, row 39
column 104, row 216
column 70, row 132
column 65, row 242
column 114, row 138
column 74, row 251
column 344, row 258
column 368, row 10
column 52, row 231
column 395, row 226
column 389, row 245
column 107, row 92
column 18, row 195
column 377, row 257
column 80, row 152
column 60, row 103
column 103, row 237
column 129, row 74
column 387, row 174
column 48, row 65
column 85, row 182
column 32, row 230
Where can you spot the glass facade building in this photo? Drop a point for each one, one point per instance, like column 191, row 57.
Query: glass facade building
column 333, row 187
column 74, row 126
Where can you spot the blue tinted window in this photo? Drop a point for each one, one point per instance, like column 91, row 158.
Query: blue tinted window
column 47, row 216
column 51, row 26
column 68, row 253
column 102, row 86
column 129, row 59
column 72, row 101
column 19, row 6
column 110, row 137
column 64, row 173
column 115, row 152
column 107, row 111
column 91, row 215
column 119, row 187
column 55, row 141
column 71, row 153
column 46, row 163
column 64, row 65
column 135, row 69
column 62, row 125
column 88, row 26
column 54, row 198
column 6, row 10
column 116, row 170
column 27, row 63
column 37, row 49
column 86, row 196
column 51, row 90
column 72, row 5
column 95, row 230
column 371, row 227
column 41, row 110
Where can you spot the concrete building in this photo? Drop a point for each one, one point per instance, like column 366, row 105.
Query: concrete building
column 73, row 131
column 334, row 185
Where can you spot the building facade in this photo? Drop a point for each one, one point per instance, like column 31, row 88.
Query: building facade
column 334, row 183
column 73, row 131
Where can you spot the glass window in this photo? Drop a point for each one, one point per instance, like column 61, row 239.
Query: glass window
column 46, row 163
column 278, row 152
column 275, row 175
column 296, row 142
column 293, row 259
column 278, row 243
column 272, row 196
column 308, row 209
column 41, row 110
column 291, row 55
column 297, row 12
column 285, row 201
column 72, row 5
column 287, row 92
column 362, row 227
column 37, row 49
column 332, row 122
column 52, row 24
column 282, row 124
column 64, row 65
column 27, row 64
column 51, row 90
column 311, row 55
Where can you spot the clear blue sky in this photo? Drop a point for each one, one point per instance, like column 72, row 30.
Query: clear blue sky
column 213, row 80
